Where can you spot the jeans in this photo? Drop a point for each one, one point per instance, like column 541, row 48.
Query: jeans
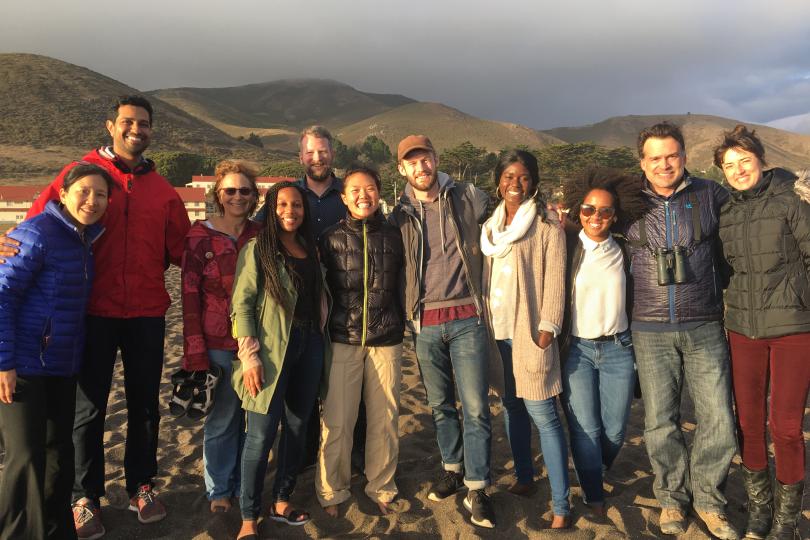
column 141, row 343
column 293, row 399
column 37, row 475
column 458, row 349
column 700, row 356
column 598, row 381
column 518, row 413
column 224, row 433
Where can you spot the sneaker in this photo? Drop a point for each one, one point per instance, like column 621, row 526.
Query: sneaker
column 672, row 521
column 448, row 483
column 146, row 504
column 479, row 505
column 87, row 520
column 718, row 525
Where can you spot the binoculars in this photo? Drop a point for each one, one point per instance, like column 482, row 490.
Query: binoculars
column 671, row 264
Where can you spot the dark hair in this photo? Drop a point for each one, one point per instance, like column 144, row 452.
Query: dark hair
column 625, row 189
column 228, row 166
column 83, row 169
column 739, row 137
column 269, row 247
column 135, row 101
column 661, row 130
column 319, row 132
column 523, row 157
column 361, row 168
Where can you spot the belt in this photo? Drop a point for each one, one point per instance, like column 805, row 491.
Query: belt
column 611, row 337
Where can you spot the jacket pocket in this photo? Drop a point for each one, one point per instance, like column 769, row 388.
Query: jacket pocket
column 542, row 360
column 45, row 340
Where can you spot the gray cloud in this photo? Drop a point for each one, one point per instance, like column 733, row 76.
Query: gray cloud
column 529, row 62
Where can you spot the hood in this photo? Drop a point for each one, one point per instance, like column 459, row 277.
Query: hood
column 91, row 232
column 445, row 183
column 802, row 185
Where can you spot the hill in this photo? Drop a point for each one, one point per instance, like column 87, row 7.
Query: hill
column 799, row 123
column 446, row 127
column 47, row 103
column 702, row 133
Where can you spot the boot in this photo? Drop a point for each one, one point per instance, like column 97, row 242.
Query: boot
column 760, row 502
column 787, row 512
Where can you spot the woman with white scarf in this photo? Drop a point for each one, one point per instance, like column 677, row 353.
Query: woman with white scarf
column 524, row 272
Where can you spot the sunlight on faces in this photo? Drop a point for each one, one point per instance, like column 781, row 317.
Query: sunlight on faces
column 316, row 156
column 420, row 168
column 289, row 209
column 131, row 132
column 743, row 169
column 236, row 205
column 86, row 200
column 515, row 184
column 663, row 164
column 597, row 225
column 360, row 195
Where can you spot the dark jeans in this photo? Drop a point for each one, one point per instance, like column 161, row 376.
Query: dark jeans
column 141, row 343
column 38, row 467
column 292, row 403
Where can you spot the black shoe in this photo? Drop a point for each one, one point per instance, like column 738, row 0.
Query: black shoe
column 787, row 512
column 760, row 502
column 479, row 505
column 448, row 483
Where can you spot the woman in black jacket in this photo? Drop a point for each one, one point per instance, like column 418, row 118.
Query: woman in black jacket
column 765, row 234
column 364, row 261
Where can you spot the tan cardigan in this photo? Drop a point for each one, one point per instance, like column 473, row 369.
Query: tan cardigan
column 540, row 273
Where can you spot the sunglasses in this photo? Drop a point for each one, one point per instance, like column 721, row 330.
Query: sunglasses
column 243, row 191
column 606, row 212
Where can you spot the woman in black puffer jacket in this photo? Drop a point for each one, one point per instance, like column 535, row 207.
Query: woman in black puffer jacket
column 364, row 262
column 765, row 234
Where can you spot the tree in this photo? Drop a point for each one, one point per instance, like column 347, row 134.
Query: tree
column 255, row 140
column 179, row 167
column 288, row 168
column 375, row 151
column 469, row 163
column 344, row 155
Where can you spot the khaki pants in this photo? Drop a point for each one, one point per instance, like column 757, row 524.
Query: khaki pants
column 377, row 372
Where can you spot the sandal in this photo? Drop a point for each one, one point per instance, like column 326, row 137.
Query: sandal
column 182, row 393
column 220, row 506
column 204, row 384
column 293, row 517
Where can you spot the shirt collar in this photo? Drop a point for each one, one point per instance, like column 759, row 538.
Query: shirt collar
column 588, row 244
column 336, row 185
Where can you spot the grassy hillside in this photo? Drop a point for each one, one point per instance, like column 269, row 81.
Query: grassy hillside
column 446, row 127
column 702, row 133
column 286, row 104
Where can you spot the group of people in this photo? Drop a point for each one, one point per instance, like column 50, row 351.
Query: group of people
column 302, row 309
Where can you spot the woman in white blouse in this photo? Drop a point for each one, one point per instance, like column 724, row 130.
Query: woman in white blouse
column 598, row 364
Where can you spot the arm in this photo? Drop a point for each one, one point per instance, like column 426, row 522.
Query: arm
column 195, row 353
column 553, row 302
column 243, row 314
column 177, row 227
column 799, row 222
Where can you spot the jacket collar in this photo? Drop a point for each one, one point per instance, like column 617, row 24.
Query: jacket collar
column 91, row 232
column 686, row 181
column 143, row 167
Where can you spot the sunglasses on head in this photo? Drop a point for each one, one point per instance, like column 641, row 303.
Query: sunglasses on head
column 231, row 191
column 606, row 212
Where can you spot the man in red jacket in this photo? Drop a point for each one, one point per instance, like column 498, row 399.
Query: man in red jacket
column 145, row 225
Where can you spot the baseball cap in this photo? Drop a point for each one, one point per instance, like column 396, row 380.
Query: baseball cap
column 411, row 143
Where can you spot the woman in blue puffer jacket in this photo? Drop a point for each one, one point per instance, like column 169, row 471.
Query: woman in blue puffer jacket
column 43, row 296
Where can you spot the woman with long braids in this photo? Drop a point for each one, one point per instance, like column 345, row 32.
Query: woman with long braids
column 598, row 371
column 279, row 311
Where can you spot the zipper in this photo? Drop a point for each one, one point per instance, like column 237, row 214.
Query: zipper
column 126, row 241
column 365, row 285
column 668, row 239
column 751, row 320
column 46, row 338
column 464, row 261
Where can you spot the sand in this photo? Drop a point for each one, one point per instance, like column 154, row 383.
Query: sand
column 632, row 508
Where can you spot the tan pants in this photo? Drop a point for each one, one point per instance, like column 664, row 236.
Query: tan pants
column 377, row 371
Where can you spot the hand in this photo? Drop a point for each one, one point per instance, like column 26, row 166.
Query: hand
column 253, row 379
column 8, row 246
column 545, row 339
column 8, row 383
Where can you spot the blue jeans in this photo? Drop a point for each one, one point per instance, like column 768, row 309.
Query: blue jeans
column 224, row 433
column 458, row 349
column 700, row 356
column 598, row 381
column 518, row 413
column 293, row 399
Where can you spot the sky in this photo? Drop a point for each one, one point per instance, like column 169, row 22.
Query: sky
column 537, row 63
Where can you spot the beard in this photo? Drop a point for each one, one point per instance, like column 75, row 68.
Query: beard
column 422, row 184
column 319, row 177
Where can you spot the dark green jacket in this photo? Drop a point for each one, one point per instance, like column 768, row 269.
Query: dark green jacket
column 765, row 235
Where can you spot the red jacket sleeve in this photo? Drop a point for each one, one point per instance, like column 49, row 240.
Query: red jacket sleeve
column 51, row 193
column 176, row 230
column 195, row 353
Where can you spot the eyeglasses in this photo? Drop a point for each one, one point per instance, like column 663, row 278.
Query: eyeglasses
column 606, row 212
column 243, row 191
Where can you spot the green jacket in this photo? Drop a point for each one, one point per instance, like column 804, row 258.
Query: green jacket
column 255, row 313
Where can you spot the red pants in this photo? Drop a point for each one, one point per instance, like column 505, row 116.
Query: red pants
column 787, row 359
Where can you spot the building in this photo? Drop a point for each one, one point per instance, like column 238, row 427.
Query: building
column 194, row 201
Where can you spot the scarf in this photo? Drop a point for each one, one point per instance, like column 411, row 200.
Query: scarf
column 496, row 240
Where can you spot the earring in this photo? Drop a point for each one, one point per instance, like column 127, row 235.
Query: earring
column 498, row 195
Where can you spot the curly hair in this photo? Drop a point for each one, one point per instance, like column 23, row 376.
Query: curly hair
column 269, row 247
column 625, row 189
column 228, row 166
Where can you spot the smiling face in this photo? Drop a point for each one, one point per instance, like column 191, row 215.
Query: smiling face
column 289, row 209
column 599, row 204
column 361, row 195
column 420, row 168
column 663, row 164
column 242, row 203
column 515, row 185
column 743, row 169
column 131, row 132
column 316, row 156
column 85, row 200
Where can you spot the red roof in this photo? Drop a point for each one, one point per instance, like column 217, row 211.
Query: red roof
column 20, row 193
column 259, row 179
column 189, row 194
